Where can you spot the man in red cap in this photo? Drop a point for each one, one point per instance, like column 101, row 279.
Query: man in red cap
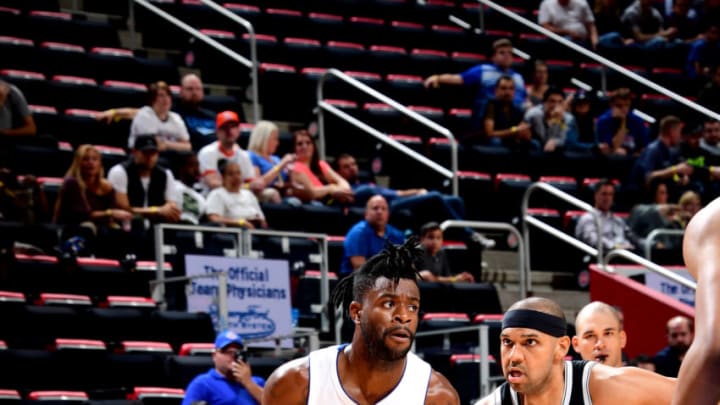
column 227, row 130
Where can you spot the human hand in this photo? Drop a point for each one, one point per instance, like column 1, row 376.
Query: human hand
column 523, row 132
column 256, row 186
column 684, row 169
column 287, row 159
column 466, row 277
column 169, row 212
column 432, row 81
column 550, row 145
column 604, row 148
column 120, row 215
column 106, row 116
column 241, row 372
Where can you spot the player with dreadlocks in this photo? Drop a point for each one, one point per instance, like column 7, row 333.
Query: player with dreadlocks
column 382, row 299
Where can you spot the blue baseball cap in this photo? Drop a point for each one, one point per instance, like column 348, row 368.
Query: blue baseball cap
column 227, row 338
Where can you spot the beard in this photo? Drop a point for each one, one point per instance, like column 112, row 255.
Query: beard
column 375, row 341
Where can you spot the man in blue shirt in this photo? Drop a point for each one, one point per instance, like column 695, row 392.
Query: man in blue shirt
column 368, row 237
column 485, row 76
column 231, row 381
column 619, row 131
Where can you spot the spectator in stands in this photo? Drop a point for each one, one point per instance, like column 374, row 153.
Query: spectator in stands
column 552, row 126
column 485, row 76
column 701, row 160
column 619, row 131
column 599, row 334
column 231, row 204
column 435, row 266
column 658, row 214
column 188, row 199
column 269, row 168
column 705, row 52
column 680, row 334
column 199, row 121
column 503, row 121
column 709, row 96
column 538, row 85
column 87, row 207
column 145, row 189
column 230, row 381
column 227, row 130
column 615, row 233
column 314, row 179
column 581, row 107
column 15, row 116
column 369, row 236
column 157, row 119
column 661, row 160
column 684, row 19
column 609, row 26
column 690, row 204
column 710, row 141
column 22, row 198
column 569, row 18
column 646, row 24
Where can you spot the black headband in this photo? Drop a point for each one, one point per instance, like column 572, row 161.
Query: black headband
column 527, row 318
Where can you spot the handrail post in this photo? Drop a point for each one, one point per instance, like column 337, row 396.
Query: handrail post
column 484, row 361
column 650, row 239
column 321, row 117
column 222, row 300
column 158, row 293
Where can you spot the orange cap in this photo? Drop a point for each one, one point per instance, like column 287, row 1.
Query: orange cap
column 225, row 117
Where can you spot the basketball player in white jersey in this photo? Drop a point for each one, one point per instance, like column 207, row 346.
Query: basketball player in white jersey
column 700, row 369
column 377, row 367
column 534, row 344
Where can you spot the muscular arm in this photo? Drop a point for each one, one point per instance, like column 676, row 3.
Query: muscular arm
column 629, row 385
column 288, row 384
column 440, row 391
column 699, row 372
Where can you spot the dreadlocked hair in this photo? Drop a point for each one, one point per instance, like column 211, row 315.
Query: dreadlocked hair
column 393, row 262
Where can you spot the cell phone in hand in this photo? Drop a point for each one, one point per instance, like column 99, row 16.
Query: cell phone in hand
column 240, row 356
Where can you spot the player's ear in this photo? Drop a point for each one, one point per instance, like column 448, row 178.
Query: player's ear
column 355, row 311
column 563, row 345
column 623, row 339
column 576, row 343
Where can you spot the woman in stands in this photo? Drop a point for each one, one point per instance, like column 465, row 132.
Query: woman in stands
column 232, row 204
column 86, row 203
column 538, row 82
column 272, row 170
column 157, row 119
column 313, row 179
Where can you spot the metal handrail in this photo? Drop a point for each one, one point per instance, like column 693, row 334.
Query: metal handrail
column 654, row 234
column 594, row 56
column 529, row 220
column 498, row 226
column 253, row 52
column 252, row 65
column 322, row 105
column 655, row 268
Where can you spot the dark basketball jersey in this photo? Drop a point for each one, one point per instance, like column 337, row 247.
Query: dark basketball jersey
column 577, row 386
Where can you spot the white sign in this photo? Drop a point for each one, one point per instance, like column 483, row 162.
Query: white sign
column 258, row 295
column 668, row 287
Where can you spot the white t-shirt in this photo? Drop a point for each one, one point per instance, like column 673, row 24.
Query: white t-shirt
column 240, row 205
column 572, row 18
column 210, row 155
column 117, row 176
column 192, row 204
column 147, row 122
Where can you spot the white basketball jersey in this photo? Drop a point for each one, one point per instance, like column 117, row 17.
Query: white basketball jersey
column 326, row 388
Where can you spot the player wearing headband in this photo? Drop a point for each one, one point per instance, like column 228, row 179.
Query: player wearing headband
column 534, row 344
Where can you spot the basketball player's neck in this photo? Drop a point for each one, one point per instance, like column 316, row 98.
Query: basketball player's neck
column 551, row 393
column 365, row 379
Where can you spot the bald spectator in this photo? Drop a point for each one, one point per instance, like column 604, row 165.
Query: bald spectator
column 680, row 334
column 599, row 334
column 369, row 236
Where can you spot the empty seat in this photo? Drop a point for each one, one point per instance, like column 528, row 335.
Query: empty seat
column 178, row 327
column 465, row 375
column 63, row 299
column 115, row 301
column 157, row 395
column 131, row 346
column 308, row 303
column 69, row 396
column 182, row 369
column 192, row 349
column 79, row 344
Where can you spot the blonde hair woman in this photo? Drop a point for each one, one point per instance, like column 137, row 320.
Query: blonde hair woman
column 264, row 141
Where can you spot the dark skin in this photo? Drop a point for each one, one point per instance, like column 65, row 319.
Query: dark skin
column 389, row 316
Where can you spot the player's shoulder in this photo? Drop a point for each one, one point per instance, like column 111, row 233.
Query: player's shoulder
column 440, row 391
column 288, row 384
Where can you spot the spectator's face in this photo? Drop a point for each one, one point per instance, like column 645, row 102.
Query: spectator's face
column 191, row 169
column 162, row 102
column 503, row 57
column 224, row 359
column 272, row 143
column 661, row 194
column 232, row 176
column 711, row 132
column 541, row 74
column 228, row 134
column 552, row 102
column 348, row 168
column 376, row 212
column 676, row 134
column 505, row 90
column 679, row 334
column 191, row 90
column 529, row 358
column 146, row 158
column 604, row 198
column 304, row 148
column 91, row 163
column 680, row 7
column 599, row 338
column 692, row 206
column 582, row 108
column 432, row 241
column 388, row 318
column 622, row 105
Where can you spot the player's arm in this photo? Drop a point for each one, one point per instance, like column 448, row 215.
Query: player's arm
column 697, row 380
column 630, row 385
column 440, row 391
column 288, row 384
